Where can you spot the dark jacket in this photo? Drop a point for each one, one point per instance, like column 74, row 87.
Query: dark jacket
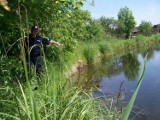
column 34, row 45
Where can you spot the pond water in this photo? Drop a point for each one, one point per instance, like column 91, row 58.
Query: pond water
column 110, row 73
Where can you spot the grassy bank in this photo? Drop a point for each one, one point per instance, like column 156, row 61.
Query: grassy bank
column 56, row 98
column 110, row 46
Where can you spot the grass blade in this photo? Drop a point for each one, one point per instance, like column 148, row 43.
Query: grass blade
column 10, row 116
column 128, row 109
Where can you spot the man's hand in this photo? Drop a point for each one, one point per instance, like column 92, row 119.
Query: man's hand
column 58, row 44
column 54, row 42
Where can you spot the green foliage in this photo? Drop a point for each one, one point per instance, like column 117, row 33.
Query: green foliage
column 53, row 17
column 89, row 54
column 104, row 47
column 139, row 39
column 145, row 28
column 119, row 30
column 126, row 21
column 10, row 70
column 94, row 30
column 157, row 37
column 108, row 24
column 78, row 24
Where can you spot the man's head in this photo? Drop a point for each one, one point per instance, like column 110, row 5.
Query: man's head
column 34, row 30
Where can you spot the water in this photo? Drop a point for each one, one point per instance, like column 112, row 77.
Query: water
column 111, row 72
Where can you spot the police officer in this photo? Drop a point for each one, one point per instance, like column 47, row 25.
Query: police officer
column 33, row 50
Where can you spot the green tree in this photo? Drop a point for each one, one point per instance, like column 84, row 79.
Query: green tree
column 78, row 22
column 145, row 28
column 126, row 21
column 94, row 30
column 53, row 17
column 108, row 24
column 119, row 30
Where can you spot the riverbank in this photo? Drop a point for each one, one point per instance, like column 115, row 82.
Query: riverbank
column 115, row 46
column 59, row 97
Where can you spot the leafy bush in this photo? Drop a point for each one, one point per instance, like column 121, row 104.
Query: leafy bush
column 145, row 28
column 10, row 70
column 94, row 30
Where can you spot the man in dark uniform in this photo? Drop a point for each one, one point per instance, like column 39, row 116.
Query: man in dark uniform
column 33, row 50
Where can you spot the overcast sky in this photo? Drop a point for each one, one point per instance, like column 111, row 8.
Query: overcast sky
column 148, row 10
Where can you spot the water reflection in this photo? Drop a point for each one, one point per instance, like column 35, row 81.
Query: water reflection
column 112, row 66
column 109, row 73
column 130, row 66
column 150, row 52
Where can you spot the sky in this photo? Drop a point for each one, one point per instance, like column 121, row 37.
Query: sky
column 147, row 10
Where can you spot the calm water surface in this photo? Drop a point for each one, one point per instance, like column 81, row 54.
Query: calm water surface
column 111, row 72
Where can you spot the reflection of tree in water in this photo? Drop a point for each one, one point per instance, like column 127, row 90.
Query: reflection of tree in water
column 150, row 52
column 109, row 67
column 104, row 68
column 144, row 50
column 94, row 74
column 130, row 65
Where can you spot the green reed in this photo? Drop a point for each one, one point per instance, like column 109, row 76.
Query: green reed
column 125, row 114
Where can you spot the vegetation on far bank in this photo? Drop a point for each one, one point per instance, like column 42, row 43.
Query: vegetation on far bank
column 110, row 45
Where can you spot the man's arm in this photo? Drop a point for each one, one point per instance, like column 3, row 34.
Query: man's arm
column 54, row 42
column 47, row 42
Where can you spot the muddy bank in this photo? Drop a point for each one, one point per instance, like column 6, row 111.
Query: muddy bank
column 77, row 68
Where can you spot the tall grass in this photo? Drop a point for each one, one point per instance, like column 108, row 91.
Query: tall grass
column 89, row 54
column 157, row 37
column 62, row 101
column 104, row 47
